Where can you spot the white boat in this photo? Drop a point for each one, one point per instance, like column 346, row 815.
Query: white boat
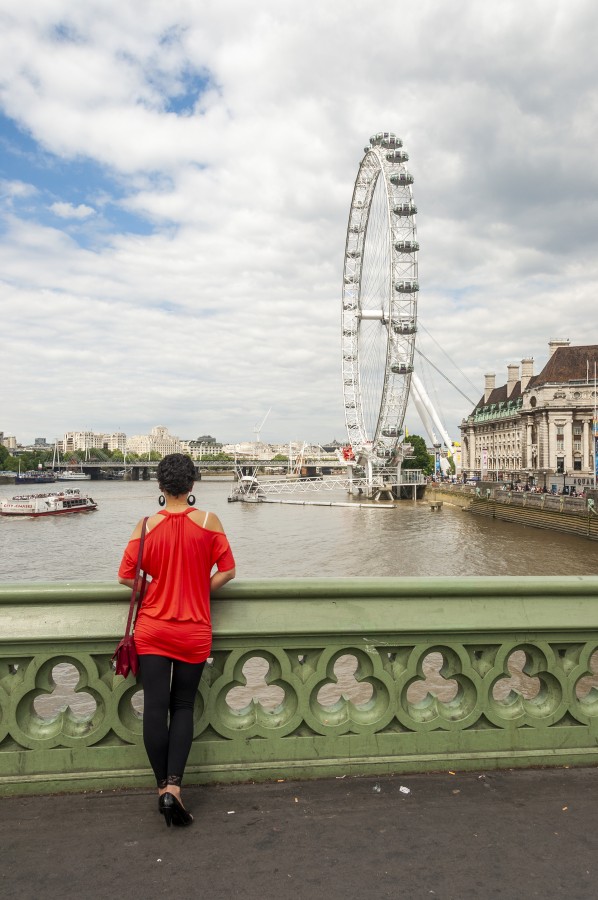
column 71, row 475
column 57, row 503
column 248, row 489
column 66, row 474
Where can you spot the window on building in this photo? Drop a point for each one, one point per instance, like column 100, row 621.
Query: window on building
column 560, row 439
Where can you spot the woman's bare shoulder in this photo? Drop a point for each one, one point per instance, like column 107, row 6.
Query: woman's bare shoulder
column 207, row 520
column 152, row 521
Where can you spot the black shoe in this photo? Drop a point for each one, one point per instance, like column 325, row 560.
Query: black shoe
column 180, row 816
column 173, row 810
column 166, row 807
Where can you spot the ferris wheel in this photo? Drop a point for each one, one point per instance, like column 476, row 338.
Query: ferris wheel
column 379, row 305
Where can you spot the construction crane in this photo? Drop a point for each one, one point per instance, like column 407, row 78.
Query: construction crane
column 258, row 428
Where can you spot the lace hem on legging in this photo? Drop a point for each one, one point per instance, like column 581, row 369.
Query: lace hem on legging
column 172, row 779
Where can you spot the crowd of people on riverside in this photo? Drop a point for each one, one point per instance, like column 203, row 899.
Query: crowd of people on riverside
column 566, row 490
column 518, row 487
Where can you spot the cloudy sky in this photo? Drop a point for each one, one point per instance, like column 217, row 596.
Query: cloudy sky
column 175, row 183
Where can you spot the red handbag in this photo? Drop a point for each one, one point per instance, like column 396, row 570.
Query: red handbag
column 125, row 658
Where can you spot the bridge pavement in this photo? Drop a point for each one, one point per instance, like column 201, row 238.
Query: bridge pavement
column 509, row 834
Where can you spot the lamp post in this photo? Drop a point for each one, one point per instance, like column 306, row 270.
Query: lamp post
column 564, row 480
column 544, row 474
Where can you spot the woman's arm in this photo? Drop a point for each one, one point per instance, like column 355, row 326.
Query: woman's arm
column 129, row 582
column 220, row 578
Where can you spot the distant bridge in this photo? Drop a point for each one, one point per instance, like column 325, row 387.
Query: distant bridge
column 142, row 469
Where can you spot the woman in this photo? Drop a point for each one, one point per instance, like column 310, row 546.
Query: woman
column 173, row 632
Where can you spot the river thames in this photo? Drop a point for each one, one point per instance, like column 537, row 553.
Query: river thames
column 273, row 540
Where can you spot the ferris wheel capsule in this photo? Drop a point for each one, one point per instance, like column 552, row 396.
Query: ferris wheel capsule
column 386, row 139
column 406, row 287
column 401, row 178
column 404, row 326
column 405, row 209
column 397, row 156
column 406, row 246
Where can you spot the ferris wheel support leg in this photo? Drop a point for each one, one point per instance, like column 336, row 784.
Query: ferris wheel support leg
column 350, row 474
column 370, row 479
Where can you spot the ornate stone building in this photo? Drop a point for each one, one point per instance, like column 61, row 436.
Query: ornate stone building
column 159, row 441
column 536, row 426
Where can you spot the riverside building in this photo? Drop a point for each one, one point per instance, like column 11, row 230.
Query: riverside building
column 92, row 440
column 537, row 427
column 158, row 441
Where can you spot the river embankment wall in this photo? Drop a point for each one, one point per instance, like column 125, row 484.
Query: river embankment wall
column 310, row 678
column 556, row 513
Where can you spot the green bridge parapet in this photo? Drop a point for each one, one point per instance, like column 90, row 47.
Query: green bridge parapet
column 310, row 678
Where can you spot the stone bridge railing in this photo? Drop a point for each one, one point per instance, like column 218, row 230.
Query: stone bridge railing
column 310, row 678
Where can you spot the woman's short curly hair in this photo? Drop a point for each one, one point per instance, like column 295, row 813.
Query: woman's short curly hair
column 176, row 474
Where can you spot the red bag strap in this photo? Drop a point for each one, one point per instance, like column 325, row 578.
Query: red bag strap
column 136, row 582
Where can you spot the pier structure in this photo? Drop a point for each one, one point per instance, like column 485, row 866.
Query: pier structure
column 388, row 486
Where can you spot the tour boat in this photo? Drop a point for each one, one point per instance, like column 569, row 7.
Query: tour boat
column 57, row 503
column 71, row 475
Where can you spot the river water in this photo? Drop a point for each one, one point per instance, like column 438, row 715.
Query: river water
column 274, row 540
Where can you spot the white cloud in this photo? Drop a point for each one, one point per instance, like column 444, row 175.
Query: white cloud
column 231, row 304
column 70, row 211
column 12, row 190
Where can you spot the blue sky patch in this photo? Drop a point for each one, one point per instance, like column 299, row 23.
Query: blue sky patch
column 55, row 180
column 193, row 85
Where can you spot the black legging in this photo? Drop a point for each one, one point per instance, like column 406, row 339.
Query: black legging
column 168, row 742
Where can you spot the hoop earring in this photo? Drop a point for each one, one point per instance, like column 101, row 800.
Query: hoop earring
column 162, row 500
column 191, row 499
